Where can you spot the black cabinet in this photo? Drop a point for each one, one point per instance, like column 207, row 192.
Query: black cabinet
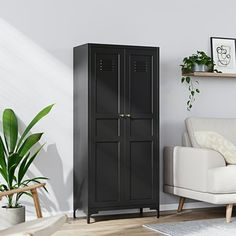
column 116, row 128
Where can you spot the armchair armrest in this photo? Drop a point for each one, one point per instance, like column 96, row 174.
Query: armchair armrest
column 187, row 167
column 33, row 190
column 19, row 190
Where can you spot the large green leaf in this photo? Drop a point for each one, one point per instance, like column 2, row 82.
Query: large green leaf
column 4, row 174
column 21, row 171
column 29, row 143
column 18, row 196
column 2, row 145
column 38, row 117
column 13, row 162
column 31, row 159
column 27, row 181
column 3, row 164
column 10, row 129
column 36, row 180
column 2, row 155
column 25, row 164
column 3, row 187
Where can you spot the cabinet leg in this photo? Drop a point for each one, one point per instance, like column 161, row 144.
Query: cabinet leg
column 141, row 211
column 88, row 219
column 74, row 214
column 158, row 213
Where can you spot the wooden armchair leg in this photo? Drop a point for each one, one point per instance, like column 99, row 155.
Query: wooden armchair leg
column 181, row 204
column 229, row 209
column 36, row 203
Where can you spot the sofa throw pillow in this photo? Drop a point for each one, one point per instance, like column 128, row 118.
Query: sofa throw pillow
column 215, row 141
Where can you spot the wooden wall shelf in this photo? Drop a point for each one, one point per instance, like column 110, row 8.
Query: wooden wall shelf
column 211, row 74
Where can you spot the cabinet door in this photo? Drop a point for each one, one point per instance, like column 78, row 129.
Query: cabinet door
column 107, row 127
column 141, row 108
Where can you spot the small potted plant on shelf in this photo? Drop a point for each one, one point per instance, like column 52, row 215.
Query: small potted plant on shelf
column 199, row 62
column 16, row 156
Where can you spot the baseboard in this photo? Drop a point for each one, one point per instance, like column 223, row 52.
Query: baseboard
column 163, row 208
column 189, row 205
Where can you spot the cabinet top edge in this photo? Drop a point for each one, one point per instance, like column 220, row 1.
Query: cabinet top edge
column 116, row 45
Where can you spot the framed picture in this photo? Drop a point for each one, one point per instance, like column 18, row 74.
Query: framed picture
column 223, row 54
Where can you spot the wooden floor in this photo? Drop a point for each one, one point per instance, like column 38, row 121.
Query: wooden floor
column 132, row 224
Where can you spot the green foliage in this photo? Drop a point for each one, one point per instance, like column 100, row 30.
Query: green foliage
column 16, row 154
column 192, row 90
column 200, row 58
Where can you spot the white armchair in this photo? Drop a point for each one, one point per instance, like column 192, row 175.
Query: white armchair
column 40, row 227
column 201, row 174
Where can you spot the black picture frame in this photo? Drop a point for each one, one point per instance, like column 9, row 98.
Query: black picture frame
column 223, row 53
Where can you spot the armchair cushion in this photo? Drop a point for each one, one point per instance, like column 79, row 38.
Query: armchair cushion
column 223, row 126
column 222, row 179
column 187, row 167
column 215, row 141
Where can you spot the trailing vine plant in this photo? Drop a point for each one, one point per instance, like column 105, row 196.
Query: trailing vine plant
column 189, row 66
column 192, row 90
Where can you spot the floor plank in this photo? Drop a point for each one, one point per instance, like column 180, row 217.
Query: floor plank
column 132, row 224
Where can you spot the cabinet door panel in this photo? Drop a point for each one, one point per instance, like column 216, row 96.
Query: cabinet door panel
column 107, row 127
column 141, row 126
column 141, row 170
column 107, row 83
column 107, row 172
column 140, row 83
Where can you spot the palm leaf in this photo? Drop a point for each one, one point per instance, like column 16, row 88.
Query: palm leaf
column 2, row 155
column 26, row 167
column 38, row 117
column 4, row 174
column 35, row 180
column 28, row 143
column 2, row 145
column 18, row 196
column 38, row 182
column 13, row 162
column 26, row 193
column 3, row 187
column 21, row 171
column 10, row 129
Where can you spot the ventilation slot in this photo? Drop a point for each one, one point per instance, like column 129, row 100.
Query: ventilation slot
column 140, row 66
column 106, row 65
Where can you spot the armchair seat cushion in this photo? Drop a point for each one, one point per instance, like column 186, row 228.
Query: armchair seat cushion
column 222, row 179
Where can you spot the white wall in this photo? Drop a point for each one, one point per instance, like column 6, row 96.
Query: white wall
column 36, row 41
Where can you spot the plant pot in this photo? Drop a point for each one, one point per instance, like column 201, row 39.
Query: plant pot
column 11, row 216
column 200, row 68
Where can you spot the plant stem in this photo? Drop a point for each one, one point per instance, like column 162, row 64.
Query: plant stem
column 10, row 198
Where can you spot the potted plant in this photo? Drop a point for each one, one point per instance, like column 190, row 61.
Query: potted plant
column 16, row 156
column 199, row 62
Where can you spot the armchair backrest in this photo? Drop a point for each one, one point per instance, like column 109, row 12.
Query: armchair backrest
column 224, row 126
column 185, row 140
